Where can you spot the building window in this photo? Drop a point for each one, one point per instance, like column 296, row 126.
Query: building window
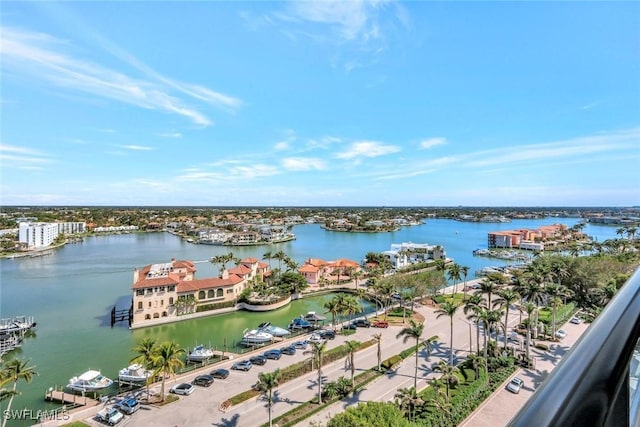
column 164, row 314
column 201, row 295
column 156, row 315
column 161, row 288
column 139, row 292
column 139, row 305
column 171, row 301
column 220, row 293
column 229, row 291
column 172, row 288
column 149, row 304
column 211, row 294
column 147, row 317
column 149, row 291
column 161, row 302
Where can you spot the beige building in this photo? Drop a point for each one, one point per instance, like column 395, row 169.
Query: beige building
column 169, row 290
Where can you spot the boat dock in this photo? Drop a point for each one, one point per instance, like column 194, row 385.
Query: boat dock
column 60, row 396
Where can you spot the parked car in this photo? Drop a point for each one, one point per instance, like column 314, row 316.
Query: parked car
column 258, row 359
column 128, row 406
column 362, row 323
column 575, row 320
column 184, row 389
column 349, row 326
column 327, row 334
column 561, row 333
column 301, row 344
column 203, row 380
column 315, row 338
column 110, row 416
column 243, row 365
column 273, row 354
column 380, row 324
column 515, row 385
column 220, row 373
column 290, row 350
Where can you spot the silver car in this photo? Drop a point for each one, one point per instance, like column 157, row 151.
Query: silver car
column 515, row 385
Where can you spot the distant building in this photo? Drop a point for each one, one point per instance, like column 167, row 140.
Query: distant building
column 526, row 238
column 404, row 254
column 37, row 234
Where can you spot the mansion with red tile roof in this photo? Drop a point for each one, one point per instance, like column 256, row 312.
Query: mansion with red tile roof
column 167, row 290
column 315, row 270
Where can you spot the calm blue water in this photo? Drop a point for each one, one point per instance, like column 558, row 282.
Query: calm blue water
column 72, row 291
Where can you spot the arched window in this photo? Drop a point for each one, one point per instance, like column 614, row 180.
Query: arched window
column 220, row 292
column 156, row 315
column 164, row 314
column 139, row 305
column 147, row 317
column 170, row 300
column 201, row 295
column 211, row 294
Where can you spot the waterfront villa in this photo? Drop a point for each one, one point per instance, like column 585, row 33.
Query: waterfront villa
column 526, row 238
column 404, row 254
column 168, row 290
column 315, row 270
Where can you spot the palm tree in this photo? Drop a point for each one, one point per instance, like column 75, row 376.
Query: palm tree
column 507, row 297
column 475, row 362
column 530, row 308
column 474, row 305
column 352, row 347
column 414, row 330
column 349, row 305
column 553, row 292
column 453, row 274
column 448, row 373
column 464, row 270
column 333, row 306
column 145, row 350
column 448, row 308
column 13, row 371
column 268, row 255
column 266, row 383
column 280, row 256
column 378, row 339
column 488, row 287
column 166, row 359
column 408, row 400
column 219, row 261
column 317, row 351
column 357, row 275
column 620, row 231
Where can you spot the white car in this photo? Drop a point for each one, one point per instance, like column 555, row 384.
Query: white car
column 561, row 333
column 515, row 385
column 315, row 338
column 184, row 389
column 110, row 416
column 575, row 320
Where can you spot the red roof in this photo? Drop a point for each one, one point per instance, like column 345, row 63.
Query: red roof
column 249, row 261
column 308, row 269
column 211, row 282
column 240, row 270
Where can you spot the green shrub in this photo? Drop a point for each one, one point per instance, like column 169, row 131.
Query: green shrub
column 215, row 306
column 541, row 346
column 390, row 362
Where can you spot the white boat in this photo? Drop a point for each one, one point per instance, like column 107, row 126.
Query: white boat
column 199, row 354
column 256, row 336
column 134, row 374
column 89, row 381
column 273, row 330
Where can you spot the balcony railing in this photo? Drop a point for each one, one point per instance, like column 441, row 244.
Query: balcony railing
column 596, row 383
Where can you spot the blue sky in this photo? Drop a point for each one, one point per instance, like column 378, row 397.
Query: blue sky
column 324, row 103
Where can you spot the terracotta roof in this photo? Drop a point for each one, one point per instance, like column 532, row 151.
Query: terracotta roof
column 249, row 261
column 263, row 265
column 307, row 268
column 211, row 282
column 316, row 262
column 240, row 270
column 170, row 279
column 344, row 263
column 184, row 264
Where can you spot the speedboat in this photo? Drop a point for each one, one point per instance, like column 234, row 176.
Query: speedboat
column 256, row 336
column 273, row 330
column 299, row 323
column 200, row 353
column 89, row 381
column 134, row 374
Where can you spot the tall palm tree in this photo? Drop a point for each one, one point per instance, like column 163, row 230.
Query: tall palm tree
column 13, row 371
column 334, row 307
column 378, row 339
column 267, row 381
column 453, row 274
column 356, row 276
column 280, row 256
column 448, row 308
column 145, row 351
column 317, row 351
column 507, row 297
column 474, row 305
column 166, row 359
column 268, row 255
column 553, row 293
column 475, row 362
column 530, row 308
column 352, row 347
column 349, row 305
column 408, row 400
column 464, row 270
column 413, row 331
column 488, row 287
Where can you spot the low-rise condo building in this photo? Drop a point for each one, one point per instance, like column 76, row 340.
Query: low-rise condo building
column 525, row 238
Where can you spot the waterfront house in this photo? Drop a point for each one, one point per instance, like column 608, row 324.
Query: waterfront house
column 168, row 290
column 314, row 270
column 404, row 254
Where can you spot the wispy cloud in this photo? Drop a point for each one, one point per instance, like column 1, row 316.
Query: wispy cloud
column 136, row 147
column 303, row 164
column 432, row 142
column 367, row 149
column 170, row 135
column 43, row 57
column 284, row 144
column 22, row 156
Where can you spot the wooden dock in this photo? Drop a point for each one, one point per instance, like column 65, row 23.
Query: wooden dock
column 59, row 396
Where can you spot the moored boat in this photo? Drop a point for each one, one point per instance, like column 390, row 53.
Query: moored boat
column 89, row 381
column 134, row 373
column 273, row 330
column 256, row 337
column 199, row 354
column 299, row 323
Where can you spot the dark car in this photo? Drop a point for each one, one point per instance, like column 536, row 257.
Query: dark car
column 203, row 380
column 349, row 326
column 326, row 334
column 220, row 373
column 273, row 354
column 290, row 350
column 258, row 360
column 128, row 406
column 243, row 365
column 362, row 323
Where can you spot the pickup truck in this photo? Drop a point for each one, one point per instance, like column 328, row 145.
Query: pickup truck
column 110, row 416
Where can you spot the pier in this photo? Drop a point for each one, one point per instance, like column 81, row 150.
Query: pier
column 70, row 400
column 122, row 315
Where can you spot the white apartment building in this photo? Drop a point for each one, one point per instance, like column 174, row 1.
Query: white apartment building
column 72, row 227
column 37, row 234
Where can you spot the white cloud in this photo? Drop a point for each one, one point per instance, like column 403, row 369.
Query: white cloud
column 40, row 56
column 170, row 135
column 303, row 164
column 367, row 149
column 432, row 142
column 18, row 156
column 136, row 147
column 281, row 146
